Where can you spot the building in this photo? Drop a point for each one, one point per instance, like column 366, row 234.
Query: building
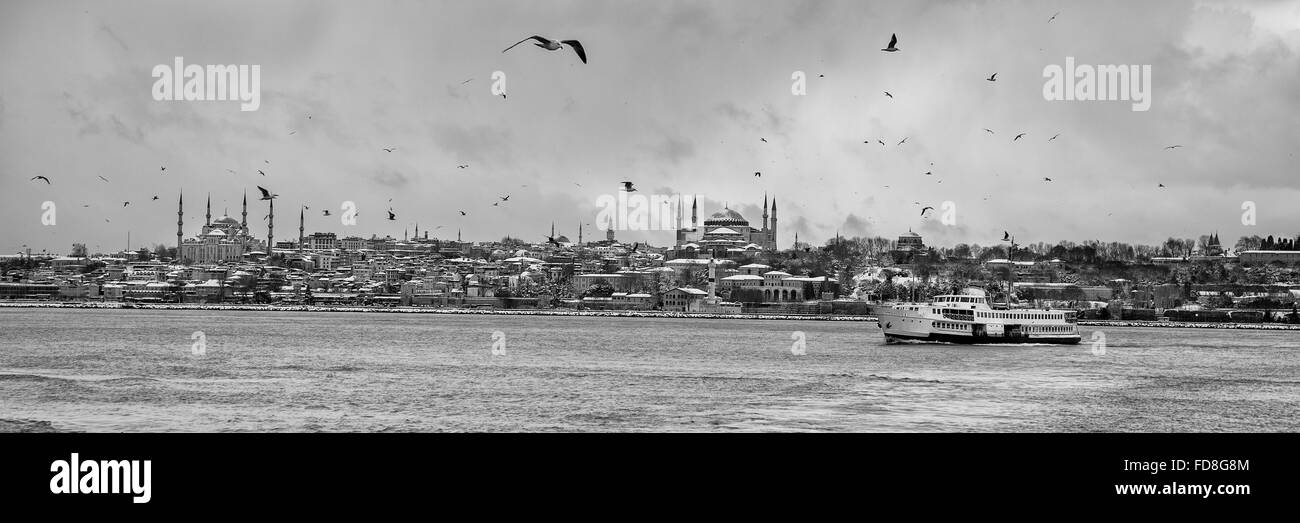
column 726, row 234
column 222, row 240
column 909, row 248
column 1264, row 257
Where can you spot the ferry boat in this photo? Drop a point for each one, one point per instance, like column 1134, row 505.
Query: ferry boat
column 969, row 319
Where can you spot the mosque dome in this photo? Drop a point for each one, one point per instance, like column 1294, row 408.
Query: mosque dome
column 726, row 218
column 226, row 220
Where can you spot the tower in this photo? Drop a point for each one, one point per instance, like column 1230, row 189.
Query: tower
column 609, row 233
column 207, row 216
column 270, row 231
column 457, row 235
column 243, row 223
column 772, row 233
column 300, row 228
column 180, row 222
column 579, row 233
column 765, row 212
column 694, row 207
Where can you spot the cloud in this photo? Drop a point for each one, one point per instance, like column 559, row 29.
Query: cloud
column 674, row 150
column 855, row 226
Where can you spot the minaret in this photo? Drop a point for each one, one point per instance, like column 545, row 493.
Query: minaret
column 457, row 235
column 773, row 225
column 609, row 233
column 300, row 228
column 417, row 231
column 270, row 231
column 244, row 222
column 694, row 207
column 207, row 217
column 552, row 229
column 580, row 233
column 764, row 211
column 180, row 222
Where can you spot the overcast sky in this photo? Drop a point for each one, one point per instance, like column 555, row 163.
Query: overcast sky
column 676, row 98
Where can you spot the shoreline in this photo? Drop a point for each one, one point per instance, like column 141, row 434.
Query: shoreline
column 438, row 310
column 610, row 313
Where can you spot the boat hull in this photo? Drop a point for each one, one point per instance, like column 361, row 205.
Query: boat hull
column 982, row 340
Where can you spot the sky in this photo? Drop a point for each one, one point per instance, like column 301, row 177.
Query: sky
column 676, row 97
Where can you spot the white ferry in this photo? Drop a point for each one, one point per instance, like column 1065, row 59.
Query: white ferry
column 969, row 319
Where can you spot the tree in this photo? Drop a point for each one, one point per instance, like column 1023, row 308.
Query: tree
column 600, row 289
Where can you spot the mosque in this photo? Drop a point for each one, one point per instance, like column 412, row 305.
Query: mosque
column 223, row 239
column 725, row 234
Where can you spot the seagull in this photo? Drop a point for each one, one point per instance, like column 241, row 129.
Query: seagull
column 389, row 149
column 1046, row 179
column 155, row 196
column 893, row 43
column 551, row 240
column 1006, row 236
column 1017, row 137
column 291, row 133
column 466, row 166
column 1173, row 147
column 47, row 180
column 391, row 216
column 326, row 211
column 764, row 140
column 463, row 213
column 1049, row 20
column 889, row 95
column 990, row 131
column 901, row 143
column 266, row 195
column 627, row 187
column 882, row 142
column 993, row 78
column 554, row 45
column 927, row 208
column 259, row 171
column 1162, row 185
column 103, row 178
column 124, row 204
column 1053, row 137
column 758, row 174
column 928, row 173
column 505, row 198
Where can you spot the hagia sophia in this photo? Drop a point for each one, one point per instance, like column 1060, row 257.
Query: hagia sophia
column 726, row 234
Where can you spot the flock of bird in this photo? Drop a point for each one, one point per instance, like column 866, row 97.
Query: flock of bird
column 628, row 186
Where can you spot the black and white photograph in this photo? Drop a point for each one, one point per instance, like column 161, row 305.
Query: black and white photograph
column 1055, row 218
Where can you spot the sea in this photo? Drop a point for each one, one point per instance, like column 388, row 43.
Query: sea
column 123, row 370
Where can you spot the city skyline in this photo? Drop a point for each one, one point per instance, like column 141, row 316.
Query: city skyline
column 679, row 98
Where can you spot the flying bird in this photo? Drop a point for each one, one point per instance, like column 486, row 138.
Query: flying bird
column 259, row 171
column 1173, row 147
column 463, row 213
column 927, row 208
column 627, row 187
column 893, row 44
column 889, row 95
column 291, row 133
column 266, row 195
column 389, row 149
column 1053, row 137
column 1006, row 236
column 553, row 45
column 124, row 204
column 1018, row 137
column 882, row 142
column 903, row 140
column 551, row 240
column 466, row 166
column 1046, row 179
column 1162, row 185
column 47, row 180
column 1049, row 20
column 764, row 140
column 326, row 212
column 758, row 174
column 103, row 178
column 505, row 198
column 990, row 131
column 391, row 216
column 155, row 196
column 928, row 173
column 993, row 78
